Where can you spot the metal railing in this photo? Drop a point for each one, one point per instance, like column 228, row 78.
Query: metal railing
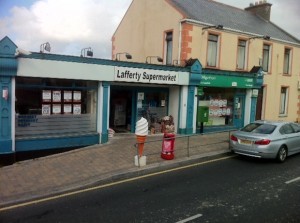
column 185, row 146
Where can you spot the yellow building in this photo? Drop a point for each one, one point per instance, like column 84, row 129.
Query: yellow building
column 227, row 41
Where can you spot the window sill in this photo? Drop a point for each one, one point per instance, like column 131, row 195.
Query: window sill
column 283, row 116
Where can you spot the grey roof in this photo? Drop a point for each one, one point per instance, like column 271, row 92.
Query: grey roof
column 215, row 13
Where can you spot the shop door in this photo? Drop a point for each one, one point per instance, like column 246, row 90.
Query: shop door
column 238, row 113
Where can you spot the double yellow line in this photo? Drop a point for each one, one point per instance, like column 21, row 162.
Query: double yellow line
column 108, row 185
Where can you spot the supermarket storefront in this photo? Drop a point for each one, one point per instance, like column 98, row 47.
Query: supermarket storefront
column 56, row 101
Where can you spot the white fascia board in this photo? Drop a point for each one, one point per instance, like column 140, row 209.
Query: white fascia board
column 67, row 70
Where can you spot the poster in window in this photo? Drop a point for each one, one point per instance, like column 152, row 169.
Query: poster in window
column 77, row 109
column 46, row 109
column 56, row 109
column 139, row 104
column 77, row 96
column 141, row 96
column 228, row 111
column 67, row 108
column 56, row 96
column 67, row 96
column 46, row 96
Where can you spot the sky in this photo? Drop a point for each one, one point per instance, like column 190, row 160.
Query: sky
column 72, row 25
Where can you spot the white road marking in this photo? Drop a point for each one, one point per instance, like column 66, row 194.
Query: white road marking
column 293, row 180
column 190, row 218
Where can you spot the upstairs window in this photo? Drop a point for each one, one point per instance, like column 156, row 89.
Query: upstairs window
column 241, row 55
column 266, row 58
column 169, row 48
column 212, row 51
column 287, row 61
column 283, row 101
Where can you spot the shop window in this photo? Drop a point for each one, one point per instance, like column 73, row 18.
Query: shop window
column 169, row 47
column 212, row 50
column 153, row 107
column 241, row 55
column 283, row 101
column 266, row 60
column 287, row 61
column 220, row 104
column 53, row 107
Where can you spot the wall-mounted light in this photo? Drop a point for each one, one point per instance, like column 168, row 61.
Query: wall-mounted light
column 45, row 46
column 261, row 37
column 148, row 59
column 215, row 27
column 87, row 52
column 127, row 55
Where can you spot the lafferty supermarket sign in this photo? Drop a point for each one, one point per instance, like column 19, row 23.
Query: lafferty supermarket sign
column 145, row 76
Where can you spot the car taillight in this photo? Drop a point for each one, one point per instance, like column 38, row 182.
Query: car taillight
column 233, row 138
column 263, row 142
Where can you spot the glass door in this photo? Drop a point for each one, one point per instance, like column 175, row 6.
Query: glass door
column 238, row 113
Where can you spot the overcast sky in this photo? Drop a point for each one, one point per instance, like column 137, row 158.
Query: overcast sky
column 71, row 25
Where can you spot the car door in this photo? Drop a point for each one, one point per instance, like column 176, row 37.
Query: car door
column 291, row 137
column 296, row 128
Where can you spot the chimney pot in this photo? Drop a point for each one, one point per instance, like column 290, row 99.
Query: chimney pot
column 261, row 9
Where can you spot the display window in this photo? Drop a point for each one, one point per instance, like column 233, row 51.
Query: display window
column 152, row 106
column 49, row 106
column 220, row 104
column 44, row 99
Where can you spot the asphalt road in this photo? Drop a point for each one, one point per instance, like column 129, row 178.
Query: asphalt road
column 232, row 190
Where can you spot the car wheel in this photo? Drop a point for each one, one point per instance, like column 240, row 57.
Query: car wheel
column 282, row 154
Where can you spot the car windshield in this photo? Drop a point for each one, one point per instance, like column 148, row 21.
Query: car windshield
column 259, row 128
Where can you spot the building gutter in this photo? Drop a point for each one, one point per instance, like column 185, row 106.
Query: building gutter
column 231, row 30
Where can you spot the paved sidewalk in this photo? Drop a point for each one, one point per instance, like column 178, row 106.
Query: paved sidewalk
column 55, row 174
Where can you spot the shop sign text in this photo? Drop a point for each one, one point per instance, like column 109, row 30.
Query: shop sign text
column 226, row 81
column 146, row 76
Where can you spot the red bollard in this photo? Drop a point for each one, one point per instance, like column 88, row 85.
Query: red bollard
column 167, row 151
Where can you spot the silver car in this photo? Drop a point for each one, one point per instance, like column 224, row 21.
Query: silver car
column 266, row 139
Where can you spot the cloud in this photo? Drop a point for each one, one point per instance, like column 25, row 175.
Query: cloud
column 285, row 14
column 68, row 25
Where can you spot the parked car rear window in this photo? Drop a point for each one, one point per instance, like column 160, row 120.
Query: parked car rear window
column 259, row 128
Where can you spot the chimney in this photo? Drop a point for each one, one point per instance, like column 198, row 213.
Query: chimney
column 261, row 9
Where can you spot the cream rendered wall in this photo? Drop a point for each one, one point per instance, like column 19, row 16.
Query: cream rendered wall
column 276, row 79
column 273, row 81
column 227, row 51
column 141, row 32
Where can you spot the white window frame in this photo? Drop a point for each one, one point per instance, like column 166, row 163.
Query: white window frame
column 269, row 59
column 287, row 64
column 213, row 54
column 169, row 48
column 284, row 95
column 242, row 54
